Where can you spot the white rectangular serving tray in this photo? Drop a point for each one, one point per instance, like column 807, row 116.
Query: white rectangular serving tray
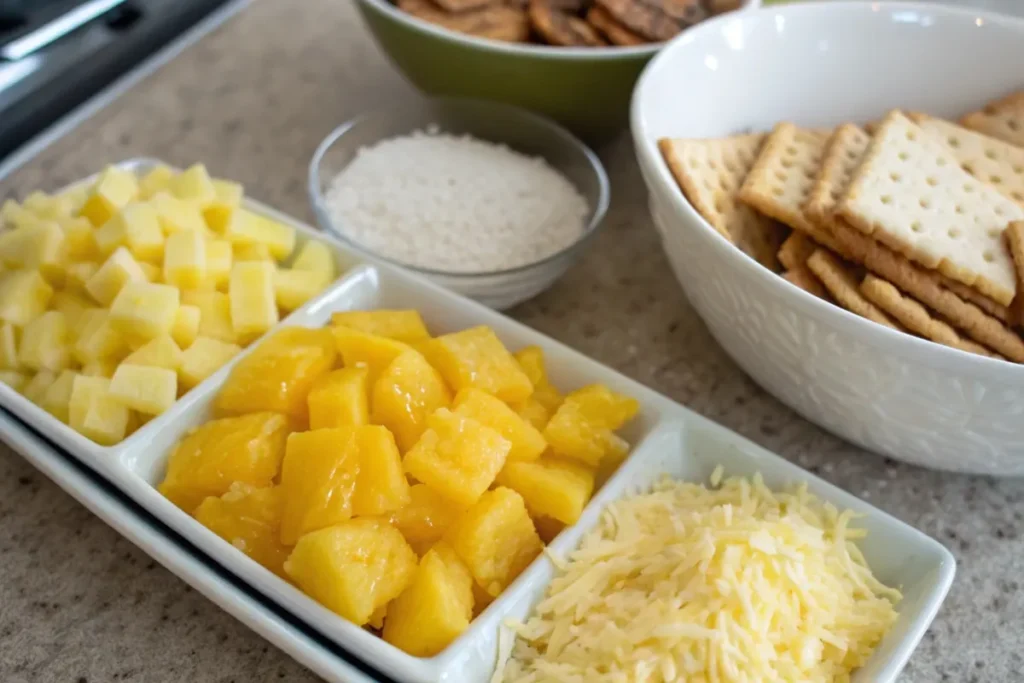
column 667, row 438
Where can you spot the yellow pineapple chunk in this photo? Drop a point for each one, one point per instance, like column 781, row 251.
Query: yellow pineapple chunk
column 292, row 288
column 527, row 442
column 545, row 399
column 15, row 380
column 318, row 477
column 155, row 181
column 75, row 197
column 100, row 367
column 136, row 227
column 353, row 568
column 193, row 185
column 425, row 518
column 117, row 271
column 496, row 539
column 77, row 275
column 57, row 397
column 338, row 399
column 476, row 358
column 246, row 449
column 227, row 198
column 186, row 325
column 40, row 245
column 436, row 607
column 218, row 263
column 547, row 528
column 315, row 257
column 202, row 358
column 44, row 343
column 583, row 426
column 249, row 519
column 16, row 216
column 144, row 388
column 408, row 391
column 159, row 352
column 72, row 305
column 98, row 338
column 114, row 188
column 79, row 240
column 251, row 290
column 364, row 349
column 404, row 326
column 214, row 314
column 176, row 215
column 36, row 387
column 143, row 310
column 9, row 347
column 24, row 295
column 247, row 227
column 251, row 252
column 94, row 413
column 153, row 272
column 381, row 486
column 457, row 456
column 185, row 259
column 551, row 488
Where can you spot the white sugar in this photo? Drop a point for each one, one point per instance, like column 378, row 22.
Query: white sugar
column 455, row 204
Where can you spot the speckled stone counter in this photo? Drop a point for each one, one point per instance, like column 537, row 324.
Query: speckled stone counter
column 79, row 604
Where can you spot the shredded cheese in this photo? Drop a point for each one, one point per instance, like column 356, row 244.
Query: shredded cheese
column 686, row 583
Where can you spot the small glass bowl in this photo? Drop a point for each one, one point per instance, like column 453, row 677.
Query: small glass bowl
column 520, row 130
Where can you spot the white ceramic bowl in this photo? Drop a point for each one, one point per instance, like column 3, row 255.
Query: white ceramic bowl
column 822, row 64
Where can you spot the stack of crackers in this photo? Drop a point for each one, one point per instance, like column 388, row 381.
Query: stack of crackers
column 913, row 222
column 569, row 23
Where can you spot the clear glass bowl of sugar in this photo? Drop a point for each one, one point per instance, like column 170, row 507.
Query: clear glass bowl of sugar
column 497, row 216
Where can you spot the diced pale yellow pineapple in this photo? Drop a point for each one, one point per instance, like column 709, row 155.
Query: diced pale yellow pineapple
column 114, row 188
column 316, row 257
column 402, row 325
column 77, row 275
column 57, row 397
column 155, row 181
column 143, row 310
column 527, row 442
column 44, row 343
column 214, row 314
column 177, row 215
column 185, row 259
column 98, row 338
column 186, row 325
column 203, row 358
column 292, row 288
column 218, row 263
column 14, row 215
column 100, row 367
column 193, row 185
column 143, row 236
column 35, row 246
column 227, row 198
column 353, row 568
column 256, row 251
column 159, row 352
column 14, row 379
column 24, row 295
column 145, row 388
column 72, row 305
column 75, row 197
column 9, row 347
column 435, row 608
column 39, row 203
column 37, row 385
column 117, row 271
column 153, row 272
column 253, row 309
column 94, row 413
column 339, row 398
column 247, row 227
column 80, row 240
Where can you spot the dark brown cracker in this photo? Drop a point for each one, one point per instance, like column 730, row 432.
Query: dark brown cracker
column 802, row 277
column 647, row 18
column 1003, row 119
column 926, row 287
column 561, row 28
column 498, row 22
column 616, row 33
column 916, row 317
column 842, row 285
column 717, row 7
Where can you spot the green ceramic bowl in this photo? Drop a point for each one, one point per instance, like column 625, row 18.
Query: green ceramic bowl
column 585, row 89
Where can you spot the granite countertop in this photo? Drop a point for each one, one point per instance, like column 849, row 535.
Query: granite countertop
column 253, row 99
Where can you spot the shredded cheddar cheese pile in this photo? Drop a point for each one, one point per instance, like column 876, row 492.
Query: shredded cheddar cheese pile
column 687, row 583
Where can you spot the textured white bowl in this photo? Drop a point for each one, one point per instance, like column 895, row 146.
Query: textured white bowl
column 822, row 64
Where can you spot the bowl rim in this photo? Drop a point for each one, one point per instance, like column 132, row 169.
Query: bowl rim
column 597, row 212
column 606, row 53
column 658, row 177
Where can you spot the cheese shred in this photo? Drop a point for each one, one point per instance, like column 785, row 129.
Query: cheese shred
column 730, row 583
